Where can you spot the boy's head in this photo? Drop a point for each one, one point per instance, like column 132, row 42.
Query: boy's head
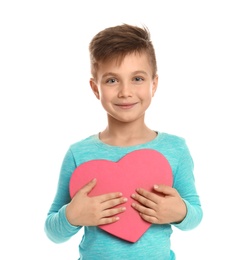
column 114, row 43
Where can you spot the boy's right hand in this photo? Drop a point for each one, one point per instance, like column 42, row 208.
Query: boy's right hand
column 93, row 211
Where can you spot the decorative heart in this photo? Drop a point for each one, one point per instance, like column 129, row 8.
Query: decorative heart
column 138, row 169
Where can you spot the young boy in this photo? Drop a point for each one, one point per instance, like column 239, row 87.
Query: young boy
column 124, row 79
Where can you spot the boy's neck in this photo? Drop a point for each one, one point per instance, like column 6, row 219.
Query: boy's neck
column 127, row 134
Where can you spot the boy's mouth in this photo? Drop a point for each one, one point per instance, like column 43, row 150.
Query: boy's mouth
column 126, row 105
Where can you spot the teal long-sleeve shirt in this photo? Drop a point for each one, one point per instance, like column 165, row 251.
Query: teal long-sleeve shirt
column 98, row 244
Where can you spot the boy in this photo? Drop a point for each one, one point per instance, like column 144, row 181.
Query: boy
column 124, row 79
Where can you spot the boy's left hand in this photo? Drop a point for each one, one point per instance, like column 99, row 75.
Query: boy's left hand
column 163, row 207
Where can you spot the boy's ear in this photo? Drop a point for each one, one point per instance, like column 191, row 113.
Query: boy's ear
column 155, row 84
column 94, row 88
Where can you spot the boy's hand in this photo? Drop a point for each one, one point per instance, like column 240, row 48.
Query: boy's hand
column 163, row 208
column 93, row 211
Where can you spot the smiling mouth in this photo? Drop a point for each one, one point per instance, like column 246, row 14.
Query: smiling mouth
column 126, row 106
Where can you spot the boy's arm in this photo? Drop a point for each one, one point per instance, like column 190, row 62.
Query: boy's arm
column 178, row 205
column 184, row 183
column 57, row 227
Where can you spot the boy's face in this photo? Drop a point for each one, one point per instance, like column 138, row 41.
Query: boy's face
column 125, row 90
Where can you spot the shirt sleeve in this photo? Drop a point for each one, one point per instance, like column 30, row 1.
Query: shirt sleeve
column 57, row 227
column 184, row 183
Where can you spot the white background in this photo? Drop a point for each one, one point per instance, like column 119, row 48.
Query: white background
column 46, row 104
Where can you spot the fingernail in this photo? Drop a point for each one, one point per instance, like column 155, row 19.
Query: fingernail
column 156, row 186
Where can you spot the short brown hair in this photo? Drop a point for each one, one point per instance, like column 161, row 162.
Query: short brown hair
column 116, row 42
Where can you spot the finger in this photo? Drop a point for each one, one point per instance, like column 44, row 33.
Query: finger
column 108, row 220
column 112, row 212
column 109, row 196
column 150, row 219
column 143, row 210
column 144, row 195
column 144, row 201
column 88, row 187
column 147, row 214
column 166, row 190
column 113, row 202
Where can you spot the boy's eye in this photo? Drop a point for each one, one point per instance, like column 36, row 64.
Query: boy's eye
column 111, row 80
column 138, row 79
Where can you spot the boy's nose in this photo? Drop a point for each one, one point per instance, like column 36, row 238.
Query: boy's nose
column 125, row 90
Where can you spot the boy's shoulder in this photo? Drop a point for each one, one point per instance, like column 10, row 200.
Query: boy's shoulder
column 171, row 137
column 88, row 141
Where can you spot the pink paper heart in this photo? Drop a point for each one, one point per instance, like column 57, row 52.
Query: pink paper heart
column 138, row 169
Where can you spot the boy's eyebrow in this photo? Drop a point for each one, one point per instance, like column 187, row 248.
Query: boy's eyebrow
column 140, row 72
column 107, row 74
